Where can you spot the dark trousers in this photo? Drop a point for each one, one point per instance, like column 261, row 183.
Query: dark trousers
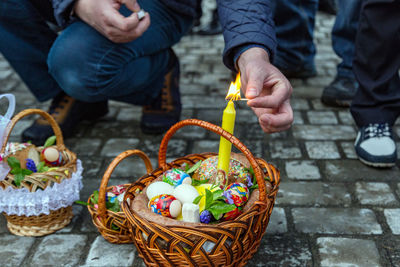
column 82, row 62
column 377, row 62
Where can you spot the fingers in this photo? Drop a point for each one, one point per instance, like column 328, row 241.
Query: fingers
column 131, row 5
column 275, row 121
column 254, row 84
column 281, row 91
column 120, row 29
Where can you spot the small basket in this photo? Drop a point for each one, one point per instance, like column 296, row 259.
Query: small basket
column 103, row 218
column 20, row 220
column 229, row 243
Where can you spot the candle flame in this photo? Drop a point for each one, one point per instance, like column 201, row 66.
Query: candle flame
column 234, row 89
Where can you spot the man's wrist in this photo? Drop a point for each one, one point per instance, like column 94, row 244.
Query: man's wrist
column 251, row 55
column 242, row 49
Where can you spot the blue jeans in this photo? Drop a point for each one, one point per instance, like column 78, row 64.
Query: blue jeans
column 344, row 35
column 295, row 21
column 82, row 62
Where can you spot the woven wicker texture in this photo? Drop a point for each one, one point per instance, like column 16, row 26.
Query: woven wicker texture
column 230, row 243
column 42, row 224
column 39, row 225
column 102, row 218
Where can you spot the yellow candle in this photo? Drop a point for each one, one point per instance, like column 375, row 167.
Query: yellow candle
column 225, row 147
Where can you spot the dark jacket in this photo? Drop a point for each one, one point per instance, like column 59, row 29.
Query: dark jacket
column 244, row 22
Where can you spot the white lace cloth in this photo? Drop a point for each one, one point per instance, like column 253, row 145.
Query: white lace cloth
column 22, row 202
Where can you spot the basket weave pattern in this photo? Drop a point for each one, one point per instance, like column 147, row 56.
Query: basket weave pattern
column 230, row 243
column 42, row 224
column 103, row 218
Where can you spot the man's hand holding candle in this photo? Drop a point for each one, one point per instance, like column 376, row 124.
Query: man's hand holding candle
column 268, row 90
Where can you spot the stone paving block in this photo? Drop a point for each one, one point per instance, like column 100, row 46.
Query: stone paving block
column 113, row 147
column 393, row 220
column 321, row 117
column 14, row 249
column 3, row 224
column 345, row 117
column 55, row 249
column 352, row 170
column 191, row 133
column 324, row 132
column 391, row 250
column 278, row 222
column 131, row 168
column 91, row 166
column 103, row 253
column 348, row 149
column 176, row 148
column 19, row 128
column 304, row 169
column 313, row 194
column 299, row 104
column 85, row 146
column 370, row 193
column 336, row 221
column 76, row 210
column 129, row 114
column 322, row 150
column 297, row 117
column 282, row 251
column 205, row 146
column 347, row 252
column 285, row 149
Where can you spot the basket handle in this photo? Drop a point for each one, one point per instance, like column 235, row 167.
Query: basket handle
column 46, row 116
column 162, row 154
column 109, row 171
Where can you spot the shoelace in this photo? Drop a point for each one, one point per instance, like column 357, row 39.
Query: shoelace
column 377, row 130
column 56, row 107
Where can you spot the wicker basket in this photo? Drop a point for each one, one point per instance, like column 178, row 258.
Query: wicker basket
column 233, row 243
column 42, row 224
column 103, row 218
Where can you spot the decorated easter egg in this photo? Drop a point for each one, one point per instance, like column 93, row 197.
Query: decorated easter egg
column 185, row 193
column 165, row 205
column 236, row 193
column 208, row 171
column 52, row 156
column 232, row 214
column 176, row 177
column 159, row 188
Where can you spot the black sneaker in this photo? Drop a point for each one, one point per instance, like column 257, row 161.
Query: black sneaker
column 67, row 112
column 375, row 146
column 166, row 109
column 340, row 92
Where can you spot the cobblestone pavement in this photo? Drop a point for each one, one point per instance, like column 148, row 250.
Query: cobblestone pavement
column 331, row 210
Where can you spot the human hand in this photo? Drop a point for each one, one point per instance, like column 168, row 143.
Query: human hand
column 103, row 15
column 268, row 90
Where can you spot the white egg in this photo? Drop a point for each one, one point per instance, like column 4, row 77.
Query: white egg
column 185, row 193
column 158, row 188
column 175, row 208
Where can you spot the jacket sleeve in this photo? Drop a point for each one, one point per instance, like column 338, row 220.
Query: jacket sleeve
column 62, row 11
column 246, row 22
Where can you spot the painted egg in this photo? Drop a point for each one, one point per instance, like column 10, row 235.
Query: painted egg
column 159, row 188
column 185, row 193
column 176, row 177
column 232, row 214
column 236, row 193
column 208, row 170
column 52, row 156
column 165, row 205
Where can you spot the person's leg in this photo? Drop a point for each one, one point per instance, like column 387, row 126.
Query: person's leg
column 342, row 89
column 91, row 68
column 294, row 21
column 376, row 105
column 96, row 69
column 25, row 42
